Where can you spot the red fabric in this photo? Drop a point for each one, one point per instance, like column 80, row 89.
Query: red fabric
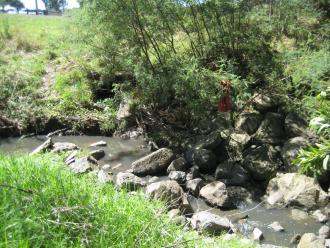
column 224, row 104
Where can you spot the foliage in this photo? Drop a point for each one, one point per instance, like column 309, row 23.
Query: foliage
column 314, row 161
column 44, row 205
column 55, row 4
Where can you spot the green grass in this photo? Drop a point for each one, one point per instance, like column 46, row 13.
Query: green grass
column 44, row 205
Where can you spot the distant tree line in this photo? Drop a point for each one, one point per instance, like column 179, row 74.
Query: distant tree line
column 17, row 4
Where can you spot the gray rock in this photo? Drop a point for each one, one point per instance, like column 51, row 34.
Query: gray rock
column 64, row 147
column 264, row 103
column 194, row 186
column 216, row 194
column 97, row 154
column 187, row 204
column 179, row 164
column 327, row 243
column 211, row 223
column 257, row 234
column 295, row 126
column 320, row 217
column 205, row 160
column 231, row 173
column 193, row 173
column 292, row 189
column 47, row 145
column 153, row 163
column 71, row 158
column 104, row 177
column 291, row 148
column 99, row 143
column 174, row 213
column 324, row 232
column 124, row 111
column 239, row 196
column 210, row 141
column 310, row 240
column 262, row 162
column 295, row 239
column 129, row 181
column 276, row 227
column 168, row 191
column 83, row 165
column 178, row 176
column 248, row 122
column 153, row 179
column 299, row 215
column 271, row 130
column 238, row 141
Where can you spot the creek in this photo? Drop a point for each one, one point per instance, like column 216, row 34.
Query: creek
column 121, row 153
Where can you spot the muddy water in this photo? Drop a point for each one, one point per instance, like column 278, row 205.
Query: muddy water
column 121, row 153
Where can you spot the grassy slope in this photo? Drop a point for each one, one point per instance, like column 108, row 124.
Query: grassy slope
column 44, row 76
column 44, row 205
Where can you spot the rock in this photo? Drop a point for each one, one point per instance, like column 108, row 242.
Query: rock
column 193, row 173
column 324, row 232
column 194, row 186
column 97, row 154
column 320, row 217
column 295, row 126
column 248, row 122
column 64, row 147
column 271, row 130
column 179, row 164
column 292, row 189
column 262, row 162
column 257, row 234
column 216, row 194
column 210, row 141
column 99, row 143
column 71, row 158
column 295, row 239
column 174, row 213
column 153, row 179
column 153, row 163
column 239, row 195
column 291, row 148
column 124, row 112
column 238, row 141
column 231, row 173
column 299, row 215
column 327, row 243
column 205, row 160
column 178, row 176
column 48, row 144
column 129, row 181
column 276, row 227
column 263, row 103
column 83, row 165
column 211, row 223
column 106, row 167
column 104, row 177
column 168, row 191
column 310, row 240
column 186, row 204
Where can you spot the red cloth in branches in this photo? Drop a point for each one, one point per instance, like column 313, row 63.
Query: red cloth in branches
column 224, row 104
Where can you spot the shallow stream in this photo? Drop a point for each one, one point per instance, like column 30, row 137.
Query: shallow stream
column 121, row 153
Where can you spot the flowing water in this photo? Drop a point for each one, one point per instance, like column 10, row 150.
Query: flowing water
column 121, row 153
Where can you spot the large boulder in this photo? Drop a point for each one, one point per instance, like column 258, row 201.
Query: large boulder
column 194, row 186
column 211, row 223
column 291, row 148
column 271, row 130
column 231, row 173
column 129, row 181
column 168, row 191
column 154, row 163
column 262, row 162
column 264, row 103
column 292, row 189
column 83, row 165
column 248, row 122
column 239, row 196
column 310, row 240
column 125, row 112
column 204, row 159
column 216, row 194
column 295, row 126
column 210, row 141
column 179, row 164
column 238, row 141
column 48, row 144
column 178, row 176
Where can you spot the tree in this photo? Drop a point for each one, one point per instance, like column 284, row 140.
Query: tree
column 55, row 4
column 17, row 4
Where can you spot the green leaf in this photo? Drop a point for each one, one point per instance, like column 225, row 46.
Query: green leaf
column 325, row 162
